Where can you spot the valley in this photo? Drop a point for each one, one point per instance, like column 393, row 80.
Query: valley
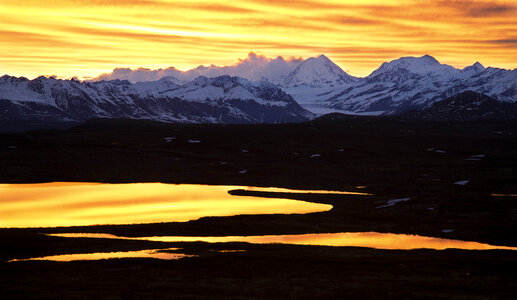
column 388, row 158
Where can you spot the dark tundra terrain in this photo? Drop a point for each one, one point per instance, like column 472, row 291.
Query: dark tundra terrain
column 387, row 157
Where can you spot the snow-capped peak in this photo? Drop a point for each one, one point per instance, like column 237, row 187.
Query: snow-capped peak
column 317, row 72
column 477, row 67
column 201, row 81
column 406, row 68
column 323, row 58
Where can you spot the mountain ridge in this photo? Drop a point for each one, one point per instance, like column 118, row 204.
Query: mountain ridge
column 222, row 99
column 303, row 90
column 278, row 71
column 403, row 84
column 415, row 83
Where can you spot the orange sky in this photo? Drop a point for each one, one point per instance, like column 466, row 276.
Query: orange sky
column 86, row 38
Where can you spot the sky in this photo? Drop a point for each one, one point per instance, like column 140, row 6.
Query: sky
column 87, row 38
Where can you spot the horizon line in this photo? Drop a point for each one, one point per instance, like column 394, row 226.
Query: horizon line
column 241, row 60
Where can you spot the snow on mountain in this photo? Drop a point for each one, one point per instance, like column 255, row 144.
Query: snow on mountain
column 472, row 70
column 415, row 83
column 209, row 94
column 410, row 67
column 222, row 99
column 17, row 89
column 308, row 81
column 499, row 84
column 317, row 72
column 314, row 72
column 466, row 106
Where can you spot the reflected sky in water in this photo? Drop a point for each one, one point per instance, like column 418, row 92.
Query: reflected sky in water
column 71, row 204
column 150, row 253
column 375, row 240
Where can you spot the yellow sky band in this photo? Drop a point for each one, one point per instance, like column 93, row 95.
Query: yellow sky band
column 86, row 38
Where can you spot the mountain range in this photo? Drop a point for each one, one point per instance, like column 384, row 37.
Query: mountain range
column 416, row 83
column 222, row 99
column 256, row 90
column 319, row 85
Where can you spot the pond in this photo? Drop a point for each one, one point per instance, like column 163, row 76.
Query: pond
column 377, row 240
column 72, row 204
column 148, row 253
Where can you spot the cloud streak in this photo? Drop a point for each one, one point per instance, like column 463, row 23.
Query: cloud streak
column 480, row 9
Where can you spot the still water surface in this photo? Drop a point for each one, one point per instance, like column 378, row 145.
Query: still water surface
column 149, row 253
column 377, row 240
column 71, row 204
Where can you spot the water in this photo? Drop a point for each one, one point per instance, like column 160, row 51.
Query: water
column 73, row 204
column 149, row 253
column 375, row 240
column 70, row 204
column 390, row 241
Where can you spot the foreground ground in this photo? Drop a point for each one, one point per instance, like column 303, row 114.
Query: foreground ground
column 271, row 271
column 388, row 158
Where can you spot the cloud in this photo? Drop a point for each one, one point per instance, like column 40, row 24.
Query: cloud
column 140, row 74
column 300, row 4
column 254, row 67
column 504, row 43
column 480, row 9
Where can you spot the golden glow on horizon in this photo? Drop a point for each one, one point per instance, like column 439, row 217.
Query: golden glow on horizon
column 72, row 204
column 390, row 241
column 86, row 38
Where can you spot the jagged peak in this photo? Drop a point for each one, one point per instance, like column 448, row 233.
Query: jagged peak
column 317, row 71
column 40, row 78
column 13, row 79
column 224, row 80
column 322, row 57
column 478, row 65
column 221, row 81
column 200, row 80
column 118, row 82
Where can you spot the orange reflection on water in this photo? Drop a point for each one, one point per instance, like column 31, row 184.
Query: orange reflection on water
column 375, row 240
column 282, row 190
column 71, row 204
column 150, row 253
